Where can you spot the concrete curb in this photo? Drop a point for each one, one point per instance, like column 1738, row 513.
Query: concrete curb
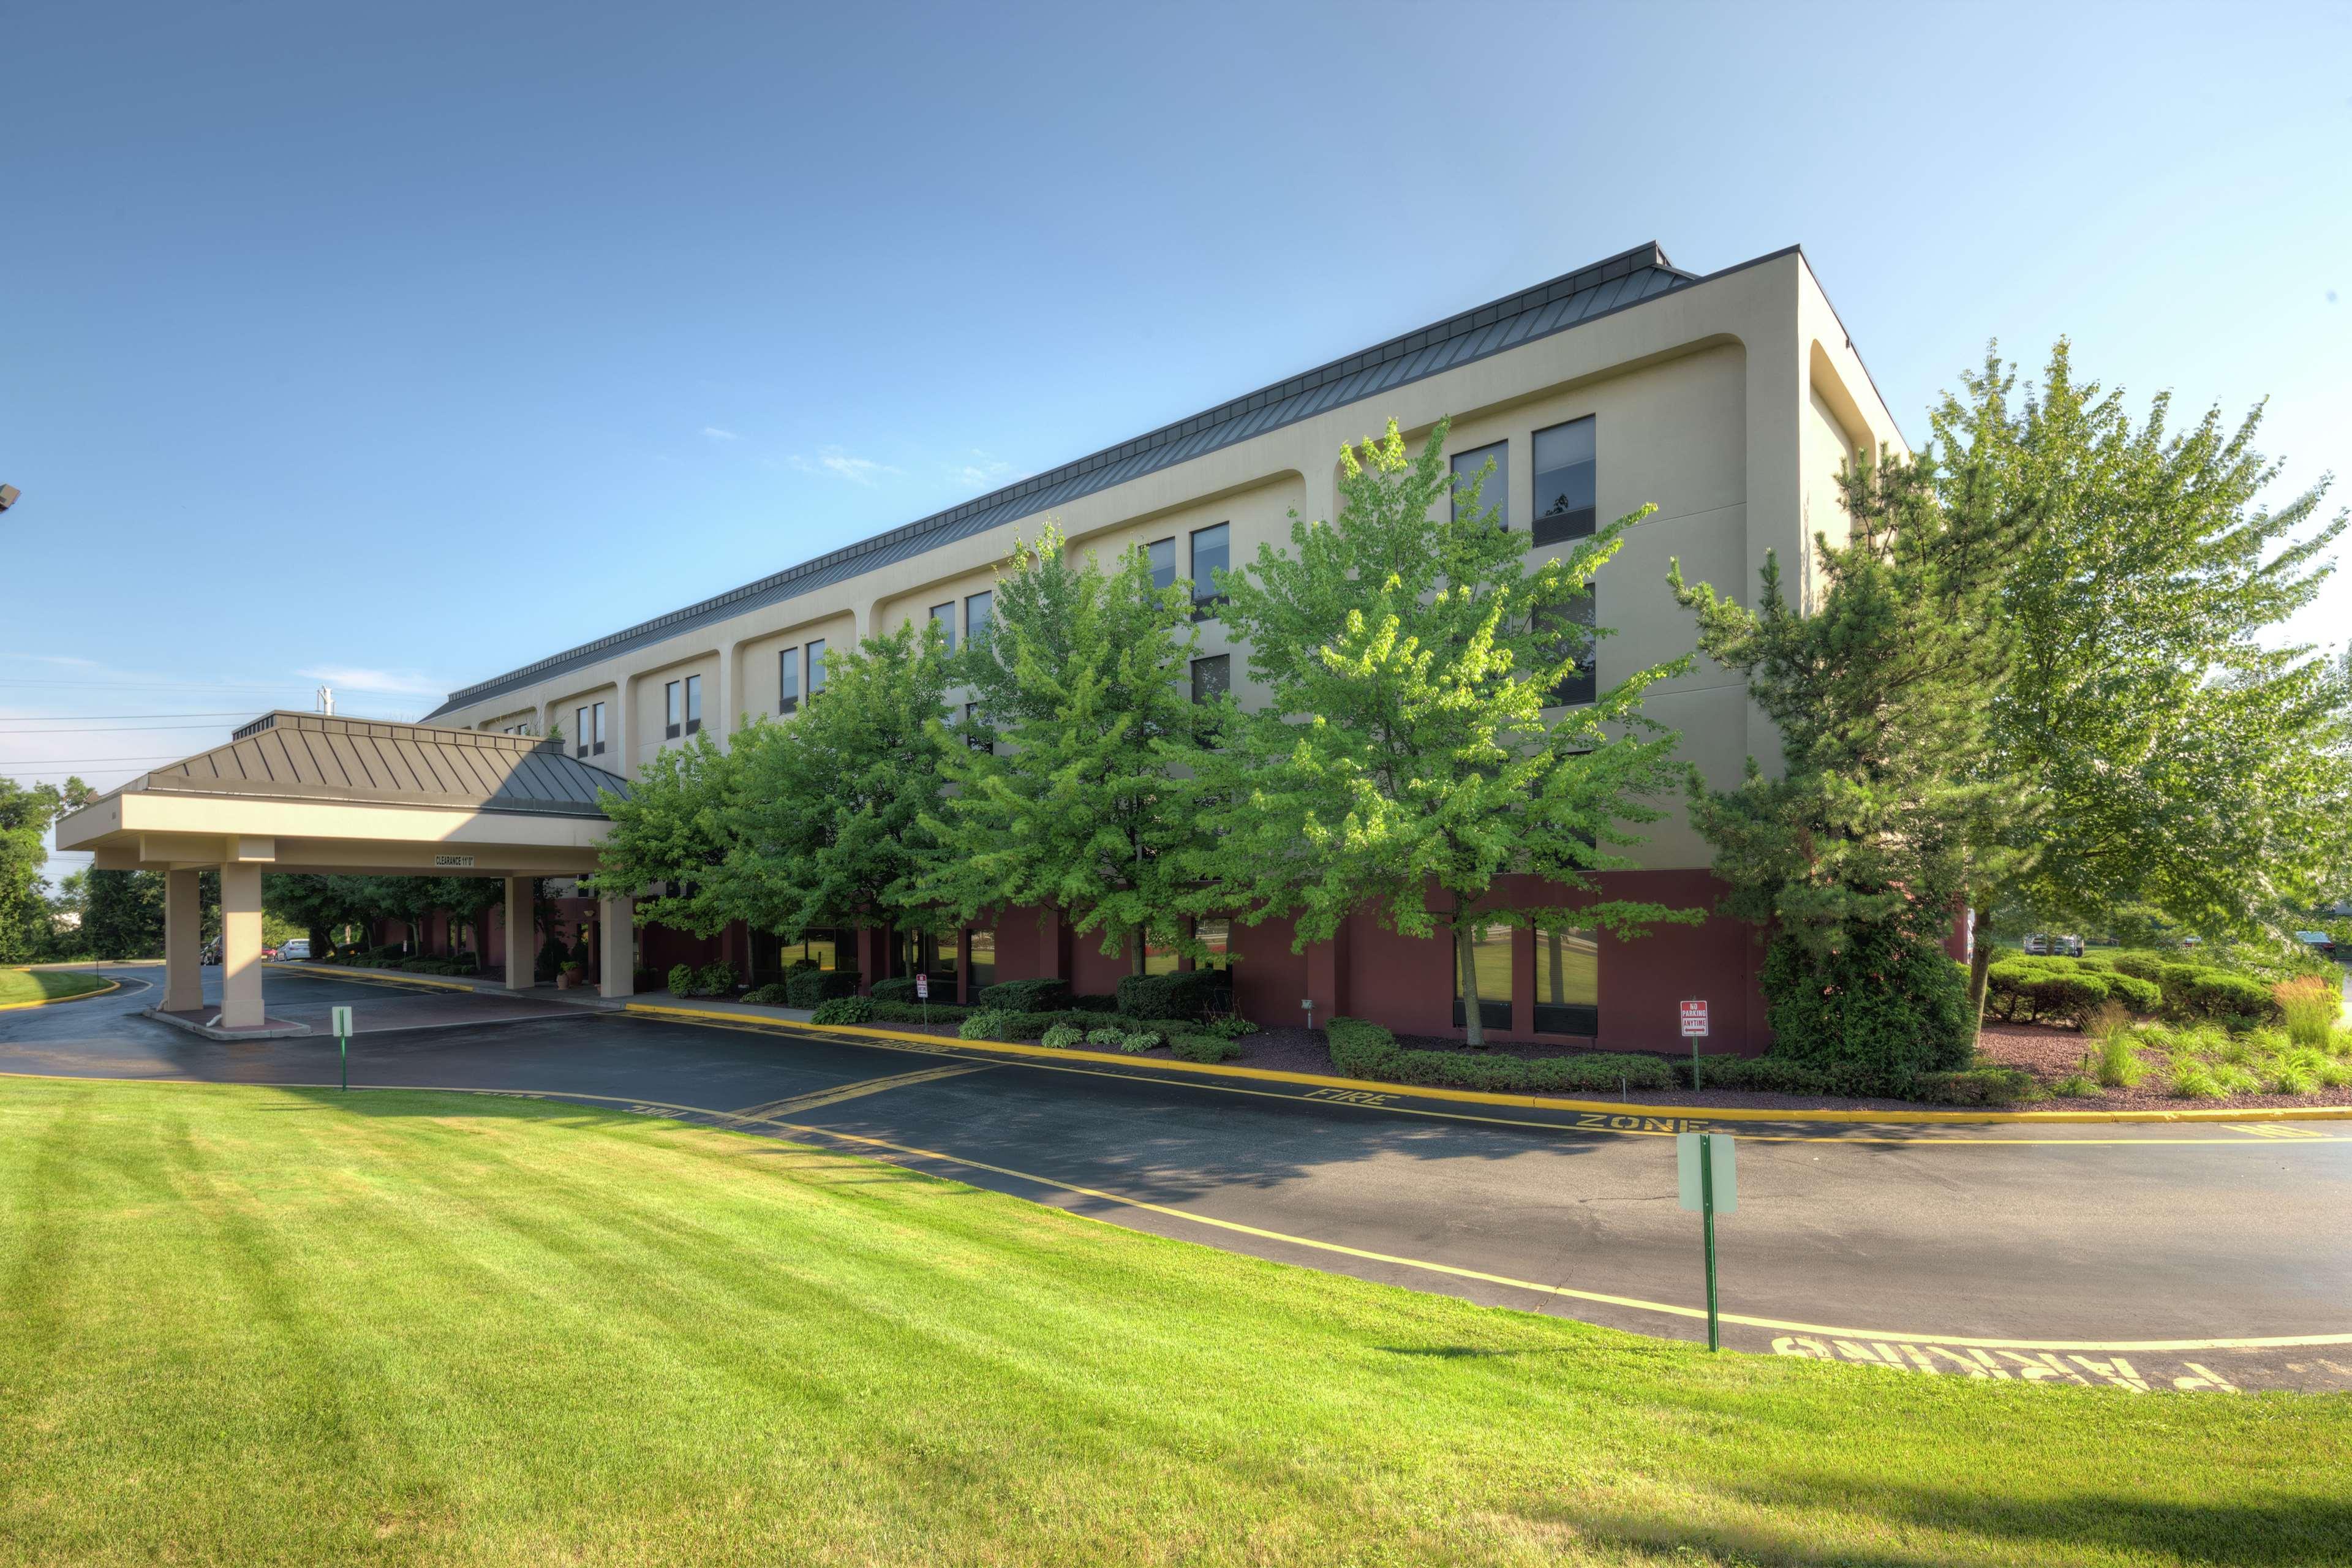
column 1531, row 1102
column 108, row 989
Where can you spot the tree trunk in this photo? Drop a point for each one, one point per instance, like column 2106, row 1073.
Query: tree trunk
column 1137, row 952
column 1474, row 1027
column 1979, row 967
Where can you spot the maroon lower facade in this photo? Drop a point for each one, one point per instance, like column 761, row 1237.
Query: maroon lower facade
column 1366, row 971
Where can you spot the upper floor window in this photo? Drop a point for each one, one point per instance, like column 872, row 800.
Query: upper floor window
column 1495, row 494
column 788, row 680
column 943, row 617
column 1565, row 491
column 588, row 730
column 1213, row 677
column 1162, row 554
column 693, row 703
column 976, row 611
column 1583, row 614
column 1212, row 550
column 815, row 668
column 673, row 712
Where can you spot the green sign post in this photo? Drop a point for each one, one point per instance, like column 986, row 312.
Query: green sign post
column 1709, row 1183
column 343, row 1043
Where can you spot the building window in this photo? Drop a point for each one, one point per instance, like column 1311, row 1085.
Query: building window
column 822, row 948
column 580, row 731
column 1568, row 982
column 1211, row 676
column 596, row 730
column 980, row 946
column 1495, row 494
column 977, row 742
column 1565, row 494
column 943, row 617
column 1217, row 936
column 671, row 714
column 1580, row 613
column 1157, row 959
column 976, row 610
column 788, row 680
column 1162, row 553
column 1490, row 952
column 815, row 668
column 1211, row 553
column 693, row 703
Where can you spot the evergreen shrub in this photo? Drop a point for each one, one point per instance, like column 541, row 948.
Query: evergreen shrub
column 1892, row 1005
column 843, row 1010
column 812, row 987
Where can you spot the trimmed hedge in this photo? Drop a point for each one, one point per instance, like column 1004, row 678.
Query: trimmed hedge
column 1363, row 1050
column 1026, row 995
column 843, row 1010
column 915, row 1012
column 1203, row 1048
column 2063, row 991
column 813, row 987
column 897, row 988
column 1186, row 994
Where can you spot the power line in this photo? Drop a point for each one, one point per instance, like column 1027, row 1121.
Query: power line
column 109, row 718
column 112, row 729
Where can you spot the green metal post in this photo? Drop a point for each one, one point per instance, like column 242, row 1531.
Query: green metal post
column 1707, row 1212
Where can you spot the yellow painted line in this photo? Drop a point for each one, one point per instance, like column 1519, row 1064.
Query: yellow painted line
column 106, row 989
column 383, row 977
column 1637, row 1303
column 857, row 1090
column 1060, row 1060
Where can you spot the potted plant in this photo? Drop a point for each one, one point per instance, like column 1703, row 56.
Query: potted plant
column 569, row 976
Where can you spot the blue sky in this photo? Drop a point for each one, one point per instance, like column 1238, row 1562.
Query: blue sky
column 394, row 347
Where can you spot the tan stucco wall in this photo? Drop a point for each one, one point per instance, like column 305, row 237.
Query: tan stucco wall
column 1709, row 403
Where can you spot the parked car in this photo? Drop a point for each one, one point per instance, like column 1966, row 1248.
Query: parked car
column 2040, row 944
column 295, row 950
column 2319, row 942
column 211, row 952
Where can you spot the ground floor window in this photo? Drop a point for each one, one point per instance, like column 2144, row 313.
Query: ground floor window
column 1158, row 960
column 1568, row 982
column 980, row 946
column 1217, row 936
column 1490, row 953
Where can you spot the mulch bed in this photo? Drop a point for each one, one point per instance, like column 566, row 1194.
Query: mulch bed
column 2048, row 1054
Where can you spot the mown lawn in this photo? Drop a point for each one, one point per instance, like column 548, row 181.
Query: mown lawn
column 46, row 984
column 247, row 1325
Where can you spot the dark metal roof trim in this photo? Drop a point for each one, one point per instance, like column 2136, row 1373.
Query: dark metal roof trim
column 311, row 756
column 1570, row 300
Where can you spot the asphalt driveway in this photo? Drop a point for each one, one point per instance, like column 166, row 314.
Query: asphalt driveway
column 2136, row 1256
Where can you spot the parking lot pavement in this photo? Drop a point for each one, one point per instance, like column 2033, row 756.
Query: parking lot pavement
column 2128, row 1256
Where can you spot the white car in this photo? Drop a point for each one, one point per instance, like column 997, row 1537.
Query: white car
column 295, row 950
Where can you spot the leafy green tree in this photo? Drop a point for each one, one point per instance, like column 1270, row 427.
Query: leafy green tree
column 2190, row 765
column 1856, row 852
column 24, row 818
column 1072, row 784
column 825, row 817
column 1403, row 762
column 125, row 915
column 672, row 833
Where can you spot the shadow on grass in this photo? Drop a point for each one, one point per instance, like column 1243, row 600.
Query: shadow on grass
column 2301, row 1528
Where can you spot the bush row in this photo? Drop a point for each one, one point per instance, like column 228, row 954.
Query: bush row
column 2062, row 990
column 711, row 980
column 1363, row 1050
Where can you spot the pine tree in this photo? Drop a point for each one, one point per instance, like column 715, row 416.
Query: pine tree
column 1072, row 789
column 1856, row 853
column 1402, row 762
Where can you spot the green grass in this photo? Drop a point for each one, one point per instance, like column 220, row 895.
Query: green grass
column 246, row 1325
column 46, row 984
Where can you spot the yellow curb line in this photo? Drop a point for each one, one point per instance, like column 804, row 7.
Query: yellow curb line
column 111, row 986
column 1528, row 1101
column 2281, row 1341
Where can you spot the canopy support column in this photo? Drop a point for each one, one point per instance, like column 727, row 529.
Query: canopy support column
column 617, row 936
column 523, row 935
column 241, row 1000
column 183, row 941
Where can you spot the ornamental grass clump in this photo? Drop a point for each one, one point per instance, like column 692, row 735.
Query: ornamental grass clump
column 2310, row 1007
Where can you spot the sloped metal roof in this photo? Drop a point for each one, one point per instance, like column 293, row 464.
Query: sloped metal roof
column 1567, row 300
column 309, row 756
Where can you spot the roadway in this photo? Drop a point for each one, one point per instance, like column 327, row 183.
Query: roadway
column 2138, row 1256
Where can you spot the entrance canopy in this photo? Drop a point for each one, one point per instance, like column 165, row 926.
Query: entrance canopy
column 307, row 793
